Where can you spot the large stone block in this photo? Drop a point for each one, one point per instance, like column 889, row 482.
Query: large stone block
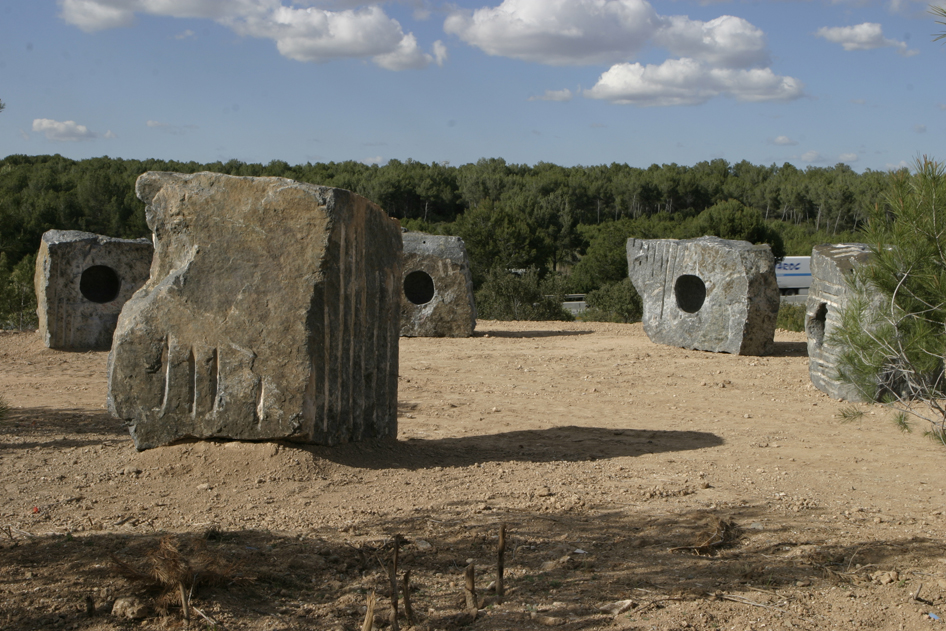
column 82, row 282
column 437, row 290
column 271, row 313
column 708, row 293
column 830, row 292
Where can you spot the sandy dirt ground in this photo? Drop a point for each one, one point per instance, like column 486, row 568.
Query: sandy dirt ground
column 641, row 487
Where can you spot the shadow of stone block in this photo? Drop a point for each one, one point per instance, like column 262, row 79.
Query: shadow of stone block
column 707, row 294
column 82, row 282
column 271, row 313
column 437, row 288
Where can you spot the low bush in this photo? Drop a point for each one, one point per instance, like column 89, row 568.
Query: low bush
column 791, row 317
column 506, row 295
column 615, row 302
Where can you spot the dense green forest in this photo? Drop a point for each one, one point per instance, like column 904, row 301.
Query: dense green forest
column 570, row 223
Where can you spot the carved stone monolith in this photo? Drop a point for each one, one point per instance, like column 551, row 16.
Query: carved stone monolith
column 708, row 294
column 830, row 292
column 82, row 282
column 271, row 313
column 437, row 289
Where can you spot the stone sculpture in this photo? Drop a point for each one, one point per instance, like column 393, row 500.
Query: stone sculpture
column 271, row 313
column 830, row 292
column 707, row 294
column 82, row 281
column 437, row 289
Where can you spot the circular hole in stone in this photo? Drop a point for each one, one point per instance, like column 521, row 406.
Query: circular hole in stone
column 690, row 292
column 816, row 323
column 100, row 284
column 419, row 287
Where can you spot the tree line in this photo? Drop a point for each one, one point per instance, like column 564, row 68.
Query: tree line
column 568, row 222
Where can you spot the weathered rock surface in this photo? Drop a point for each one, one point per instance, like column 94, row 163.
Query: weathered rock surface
column 708, row 294
column 829, row 294
column 82, row 282
column 271, row 313
column 437, row 289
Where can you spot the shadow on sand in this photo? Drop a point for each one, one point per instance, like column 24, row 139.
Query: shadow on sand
column 569, row 444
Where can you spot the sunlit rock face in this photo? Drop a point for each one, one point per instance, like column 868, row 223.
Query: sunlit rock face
column 830, row 292
column 708, row 294
column 82, row 282
column 271, row 313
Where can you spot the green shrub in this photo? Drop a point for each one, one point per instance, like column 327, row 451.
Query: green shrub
column 734, row 220
column 505, row 295
column 892, row 332
column 615, row 302
column 17, row 296
column 791, row 317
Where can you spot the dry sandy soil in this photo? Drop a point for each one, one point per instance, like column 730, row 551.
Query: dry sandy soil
column 611, row 461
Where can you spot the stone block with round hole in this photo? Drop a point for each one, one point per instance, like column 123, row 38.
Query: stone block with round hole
column 707, row 294
column 437, row 288
column 831, row 268
column 82, row 282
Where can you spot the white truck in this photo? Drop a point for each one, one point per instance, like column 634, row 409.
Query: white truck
column 793, row 275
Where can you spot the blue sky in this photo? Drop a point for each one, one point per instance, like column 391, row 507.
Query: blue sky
column 811, row 82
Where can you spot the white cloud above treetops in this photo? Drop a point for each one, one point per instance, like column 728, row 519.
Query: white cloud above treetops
column 689, row 82
column 554, row 95
column 309, row 34
column 866, row 36
column 62, row 131
column 724, row 56
column 784, row 141
column 812, row 156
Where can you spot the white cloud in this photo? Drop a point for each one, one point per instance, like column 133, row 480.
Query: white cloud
column 375, row 160
column 920, row 129
column 580, row 32
column 784, row 141
column 440, row 53
column 849, row 157
column 188, row 34
column 23, row 134
column 727, row 41
column 95, row 15
column 319, row 36
column 812, row 156
column 406, row 56
column 558, row 32
column 689, row 82
column 724, row 56
column 110, row 134
column 66, row 131
column 554, row 95
column 866, row 36
column 305, row 34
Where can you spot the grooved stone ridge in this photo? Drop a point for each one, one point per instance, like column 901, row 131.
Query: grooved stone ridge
column 82, row 281
column 708, row 294
column 831, row 268
column 437, row 290
column 271, row 313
